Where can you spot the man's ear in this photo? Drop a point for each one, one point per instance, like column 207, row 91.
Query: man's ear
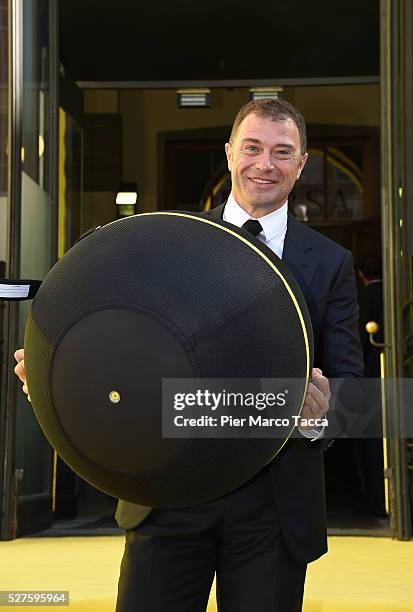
column 228, row 152
column 302, row 164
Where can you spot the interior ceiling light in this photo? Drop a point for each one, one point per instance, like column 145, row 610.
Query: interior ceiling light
column 194, row 98
column 258, row 93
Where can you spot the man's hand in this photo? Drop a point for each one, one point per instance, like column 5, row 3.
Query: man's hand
column 316, row 403
column 20, row 371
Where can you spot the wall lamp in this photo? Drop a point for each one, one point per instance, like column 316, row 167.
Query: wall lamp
column 126, row 199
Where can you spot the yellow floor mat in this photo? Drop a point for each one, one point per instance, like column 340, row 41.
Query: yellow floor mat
column 358, row 574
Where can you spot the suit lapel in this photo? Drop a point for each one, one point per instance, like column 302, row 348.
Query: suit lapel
column 215, row 212
column 299, row 255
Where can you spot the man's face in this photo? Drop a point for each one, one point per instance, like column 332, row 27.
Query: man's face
column 265, row 161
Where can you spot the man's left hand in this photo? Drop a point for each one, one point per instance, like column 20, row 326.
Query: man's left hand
column 316, row 403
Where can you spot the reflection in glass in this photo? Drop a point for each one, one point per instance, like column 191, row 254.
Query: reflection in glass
column 344, row 184
column 33, row 453
column 331, row 184
column 70, row 183
column 35, row 93
column 309, row 190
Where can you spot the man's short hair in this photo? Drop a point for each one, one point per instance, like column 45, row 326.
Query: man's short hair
column 276, row 110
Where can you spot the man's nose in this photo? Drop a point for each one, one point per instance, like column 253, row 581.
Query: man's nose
column 264, row 162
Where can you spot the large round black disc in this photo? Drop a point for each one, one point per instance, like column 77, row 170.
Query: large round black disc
column 151, row 297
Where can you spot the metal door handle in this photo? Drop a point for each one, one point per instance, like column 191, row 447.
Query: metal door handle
column 372, row 328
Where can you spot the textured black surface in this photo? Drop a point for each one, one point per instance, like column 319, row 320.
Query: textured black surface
column 128, row 352
column 157, row 296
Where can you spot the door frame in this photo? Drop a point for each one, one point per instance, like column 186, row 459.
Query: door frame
column 28, row 506
column 397, row 226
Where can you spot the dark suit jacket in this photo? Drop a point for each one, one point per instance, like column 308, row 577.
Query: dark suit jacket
column 324, row 272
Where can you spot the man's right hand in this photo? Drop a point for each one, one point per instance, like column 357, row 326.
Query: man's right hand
column 20, row 370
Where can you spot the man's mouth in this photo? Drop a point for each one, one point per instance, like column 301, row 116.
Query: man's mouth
column 261, row 181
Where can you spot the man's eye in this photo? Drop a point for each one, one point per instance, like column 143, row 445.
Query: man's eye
column 251, row 148
column 282, row 155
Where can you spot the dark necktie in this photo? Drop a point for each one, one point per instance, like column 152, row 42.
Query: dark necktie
column 252, row 226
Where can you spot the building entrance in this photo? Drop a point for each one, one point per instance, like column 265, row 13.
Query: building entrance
column 134, row 132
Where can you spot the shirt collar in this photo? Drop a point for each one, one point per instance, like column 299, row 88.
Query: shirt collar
column 273, row 224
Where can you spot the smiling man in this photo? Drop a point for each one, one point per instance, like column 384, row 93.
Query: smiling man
column 259, row 538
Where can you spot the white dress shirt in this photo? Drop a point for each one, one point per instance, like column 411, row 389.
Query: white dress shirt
column 274, row 225
column 274, row 229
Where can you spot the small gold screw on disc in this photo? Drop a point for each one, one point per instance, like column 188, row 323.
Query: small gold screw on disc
column 114, row 397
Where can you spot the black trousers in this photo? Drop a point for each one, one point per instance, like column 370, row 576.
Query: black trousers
column 170, row 559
